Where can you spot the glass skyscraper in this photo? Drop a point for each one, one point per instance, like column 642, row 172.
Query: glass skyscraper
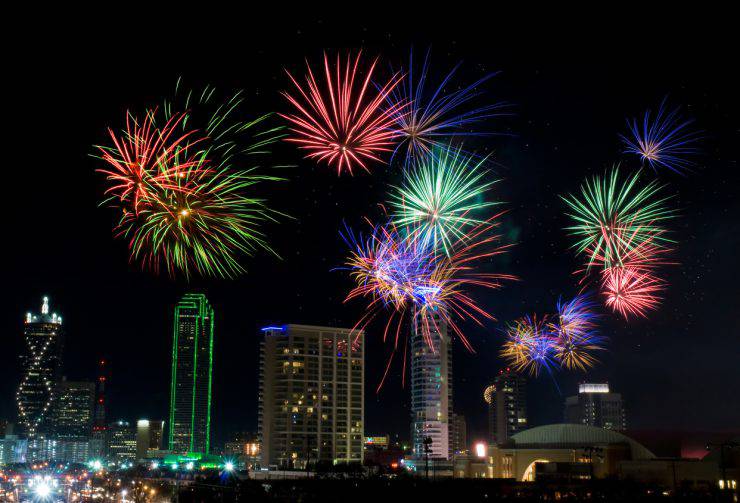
column 192, row 366
column 431, row 386
column 41, row 366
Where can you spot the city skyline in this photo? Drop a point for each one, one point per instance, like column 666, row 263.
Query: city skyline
column 566, row 125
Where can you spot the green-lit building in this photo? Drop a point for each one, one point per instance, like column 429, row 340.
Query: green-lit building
column 192, row 366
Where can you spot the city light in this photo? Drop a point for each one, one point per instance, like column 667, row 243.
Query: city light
column 42, row 490
column 481, row 449
column 229, row 466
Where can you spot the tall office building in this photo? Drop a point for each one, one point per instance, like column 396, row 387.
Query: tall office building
column 73, row 420
column 121, row 442
column 459, row 434
column 311, row 397
column 192, row 365
column 507, row 406
column 148, row 437
column 595, row 405
column 431, row 386
column 41, row 366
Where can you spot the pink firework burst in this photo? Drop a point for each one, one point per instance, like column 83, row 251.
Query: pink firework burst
column 631, row 291
column 343, row 120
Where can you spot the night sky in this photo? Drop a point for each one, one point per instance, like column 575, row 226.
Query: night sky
column 571, row 90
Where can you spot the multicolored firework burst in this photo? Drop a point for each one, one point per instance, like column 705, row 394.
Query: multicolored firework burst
column 631, row 291
column 343, row 124
column 401, row 276
column 529, row 346
column 567, row 339
column 440, row 197
column 574, row 334
column 434, row 118
column 665, row 141
column 185, row 197
column 608, row 211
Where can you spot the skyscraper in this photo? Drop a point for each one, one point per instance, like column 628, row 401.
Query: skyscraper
column 507, row 406
column 122, row 442
column 459, row 434
column 311, row 398
column 73, row 419
column 41, row 366
column 595, row 405
column 192, row 366
column 431, row 386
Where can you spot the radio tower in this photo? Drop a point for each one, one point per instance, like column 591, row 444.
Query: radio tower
column 98, row 443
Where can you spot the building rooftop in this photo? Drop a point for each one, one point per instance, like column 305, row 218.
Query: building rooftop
column 45, row 316
column 576, row 436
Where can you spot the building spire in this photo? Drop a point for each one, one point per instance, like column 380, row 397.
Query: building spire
column 45, row 306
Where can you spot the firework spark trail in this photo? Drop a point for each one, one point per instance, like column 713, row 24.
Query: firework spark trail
column 144, row 158
column 439, row 198
column 433, row 119
column 631, row 292
column 665, row 141
column 568, row 339
column 609, row 211
column 185, row 188
column 345, row 125
column 398, row 275
column 574, row 331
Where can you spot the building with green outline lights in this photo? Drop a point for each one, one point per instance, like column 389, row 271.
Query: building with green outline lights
column 192, row 369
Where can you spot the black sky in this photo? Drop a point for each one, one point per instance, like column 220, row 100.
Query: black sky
column 572, row 89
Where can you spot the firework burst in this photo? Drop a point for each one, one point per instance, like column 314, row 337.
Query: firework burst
column 568, row 339
column 439, row 199
column 342, row 124
column 434, row 118
column 610, row 210
column 574, row 335
column 630, row 291
column 400, row 277
column 185, row 188
column 665, row 141
column 529, row 347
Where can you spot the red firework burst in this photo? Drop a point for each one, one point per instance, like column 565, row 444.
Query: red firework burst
column 144, row 157
column 631, row 291
column 345, row 125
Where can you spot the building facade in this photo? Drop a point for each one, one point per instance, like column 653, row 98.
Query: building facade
column 431, row 386
column 41, row 364
column 311, row 397
column 507, row 406
column 459, row 435
column 73, row 419
column 121, row 442
column 148, row 437
column 595, row 405
column 192, row 366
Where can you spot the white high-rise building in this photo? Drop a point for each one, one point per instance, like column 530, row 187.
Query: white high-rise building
column 311, row 398
column 431, row 386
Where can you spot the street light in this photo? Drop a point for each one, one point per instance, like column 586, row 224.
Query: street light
column 229, row 466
